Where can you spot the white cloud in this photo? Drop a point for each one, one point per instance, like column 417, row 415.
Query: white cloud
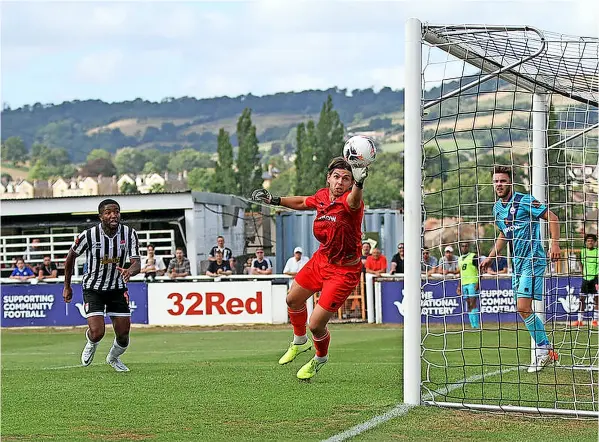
column 99, row 67
column 221, row 48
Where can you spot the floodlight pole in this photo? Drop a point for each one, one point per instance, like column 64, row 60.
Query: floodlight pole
column 539, row 178
column 412, row 212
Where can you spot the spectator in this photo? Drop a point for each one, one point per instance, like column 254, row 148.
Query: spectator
column 21, row 271
column 498, row 266
column 152, row 265
column 47, row 269
column 247, row 267
column 179, row 267
column 233, row 265
column 429, row 263
column 448, row 264
column 220, row 245
column 398, row 260
column 295, row 263
column 219, row 266
column 261, row 265
column 376, row 263
column 365, row 254
column 34, row 251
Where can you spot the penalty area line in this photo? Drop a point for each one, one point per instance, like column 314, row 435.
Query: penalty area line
column 402, row 409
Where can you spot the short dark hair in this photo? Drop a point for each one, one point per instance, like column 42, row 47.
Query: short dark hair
column 498, row 168
column 180, row 248
column 220, row 236
column 217, row 251
column 590, row 235
column 47, row 256
column 150, row 245
column 20, row 259
column 107, row 202
column 338, row 163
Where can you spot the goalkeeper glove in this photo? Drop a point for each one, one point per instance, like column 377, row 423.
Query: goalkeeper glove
column 264, row 196
column 360, row 174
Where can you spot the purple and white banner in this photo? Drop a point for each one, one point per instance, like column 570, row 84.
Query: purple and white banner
column 28, row 305
column 440, row 302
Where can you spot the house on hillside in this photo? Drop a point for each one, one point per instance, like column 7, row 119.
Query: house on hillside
column 145, row 183
column 87, row 186
column 17, row 190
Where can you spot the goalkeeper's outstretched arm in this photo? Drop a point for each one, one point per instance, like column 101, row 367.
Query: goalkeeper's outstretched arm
column 292, row 202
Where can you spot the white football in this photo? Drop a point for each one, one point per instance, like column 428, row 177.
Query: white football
column 359, row 151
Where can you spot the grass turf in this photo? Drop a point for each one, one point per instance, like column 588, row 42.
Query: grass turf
column 199, row 384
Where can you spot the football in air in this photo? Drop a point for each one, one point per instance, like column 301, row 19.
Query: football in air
column 359, row 151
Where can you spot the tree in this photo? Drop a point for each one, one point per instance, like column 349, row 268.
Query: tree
column 129, row 160
column 283, row 184
column 58, row 156
column 98, row 153
column 38, row 151
column 304, row 162
column 329, row 133
column 157, row 158
column 201, row 180
column 14, row 150
column 40, row 170
column 249, row 171
column 128, row 187
column 99, row 166
column 385, row 181
column 5, row 177
column 157, row 188
column 223, row 180
column 188, row 159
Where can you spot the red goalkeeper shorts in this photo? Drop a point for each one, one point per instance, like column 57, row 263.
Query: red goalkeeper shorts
column 335, row 283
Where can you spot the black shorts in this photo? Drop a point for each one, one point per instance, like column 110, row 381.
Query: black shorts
column 113, row 302
column 588, row 286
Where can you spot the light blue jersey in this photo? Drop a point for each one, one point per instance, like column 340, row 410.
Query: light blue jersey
column 518, row 219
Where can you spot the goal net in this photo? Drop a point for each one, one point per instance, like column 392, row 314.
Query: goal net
column 526, row 99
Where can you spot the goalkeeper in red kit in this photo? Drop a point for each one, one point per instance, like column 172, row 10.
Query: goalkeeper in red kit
column 334, row 270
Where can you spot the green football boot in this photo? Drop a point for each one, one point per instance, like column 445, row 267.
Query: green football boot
column 309, row 370
column 293, row 351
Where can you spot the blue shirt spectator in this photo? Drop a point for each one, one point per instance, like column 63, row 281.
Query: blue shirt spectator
column 21, row 271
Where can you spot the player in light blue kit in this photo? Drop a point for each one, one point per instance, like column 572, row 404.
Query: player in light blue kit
column 517, row 217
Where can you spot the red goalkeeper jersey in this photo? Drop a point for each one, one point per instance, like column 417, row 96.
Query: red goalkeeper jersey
column 337, row 227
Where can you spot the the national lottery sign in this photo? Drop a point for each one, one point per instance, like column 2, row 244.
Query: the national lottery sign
column 440, row 303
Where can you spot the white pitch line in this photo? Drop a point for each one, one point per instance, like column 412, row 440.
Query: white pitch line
column 63, row 367
column 401, row 409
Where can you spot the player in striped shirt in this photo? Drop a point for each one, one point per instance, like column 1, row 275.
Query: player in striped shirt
column 517, row 217
column 107, row 246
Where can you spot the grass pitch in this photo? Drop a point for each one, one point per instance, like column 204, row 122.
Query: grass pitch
column 218, row 384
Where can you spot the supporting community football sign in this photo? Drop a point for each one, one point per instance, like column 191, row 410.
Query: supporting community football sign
column 41, row 305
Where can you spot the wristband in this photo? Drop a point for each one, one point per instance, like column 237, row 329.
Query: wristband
column 359, row 185
column 276, row 200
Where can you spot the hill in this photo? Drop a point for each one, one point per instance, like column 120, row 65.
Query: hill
column 80, row 126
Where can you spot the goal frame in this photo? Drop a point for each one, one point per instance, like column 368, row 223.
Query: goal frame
column 415, row 33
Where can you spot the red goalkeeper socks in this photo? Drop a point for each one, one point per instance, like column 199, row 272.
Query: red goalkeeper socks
column 321, row 344
column 298, row 319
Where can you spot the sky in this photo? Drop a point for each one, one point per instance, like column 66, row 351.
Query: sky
column 115, row 51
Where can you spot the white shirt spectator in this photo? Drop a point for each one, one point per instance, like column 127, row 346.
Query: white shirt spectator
column 296, row 262
column 158, row 262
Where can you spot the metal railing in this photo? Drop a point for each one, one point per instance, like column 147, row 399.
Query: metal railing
column 57, row 246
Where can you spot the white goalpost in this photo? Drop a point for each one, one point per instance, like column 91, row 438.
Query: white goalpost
column 477, row 96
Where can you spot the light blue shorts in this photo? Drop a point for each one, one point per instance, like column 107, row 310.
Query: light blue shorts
column 469, row 291
column 528, row 286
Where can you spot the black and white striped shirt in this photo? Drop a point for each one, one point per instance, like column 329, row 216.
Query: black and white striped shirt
column 104, row 254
